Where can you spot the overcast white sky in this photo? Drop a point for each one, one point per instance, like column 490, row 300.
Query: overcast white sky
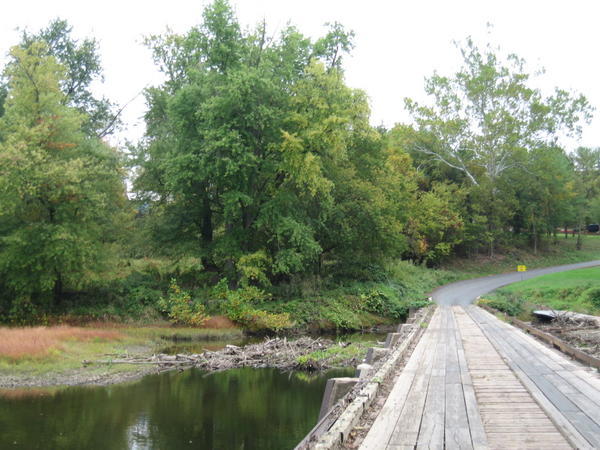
column 398, row 43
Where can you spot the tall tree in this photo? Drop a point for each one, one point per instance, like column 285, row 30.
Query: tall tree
column 81, row 60
column 487, row 117
column 258, row 153
column 60, row 190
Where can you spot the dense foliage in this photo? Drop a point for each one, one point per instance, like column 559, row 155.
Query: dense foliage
column 61, row 191
column 260, row 173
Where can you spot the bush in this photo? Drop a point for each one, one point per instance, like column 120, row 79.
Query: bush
column 380, row 303
column 512, row 306
column 238, row 306
column 180, row 308
column 23, row 311
column 418, row 304
column 592, row 295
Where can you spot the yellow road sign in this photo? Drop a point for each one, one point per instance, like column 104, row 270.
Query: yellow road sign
column 521, row 268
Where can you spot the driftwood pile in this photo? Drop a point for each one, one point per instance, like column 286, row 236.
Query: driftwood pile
column 279, row 353
column 581, row 331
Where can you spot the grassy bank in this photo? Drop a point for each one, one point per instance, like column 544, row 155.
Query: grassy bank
column 314, row 306
column 563, row 251
column 41, row 351
column 576, row 290
column 354, row 305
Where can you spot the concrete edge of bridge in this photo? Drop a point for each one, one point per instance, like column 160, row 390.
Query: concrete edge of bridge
column 334, row 427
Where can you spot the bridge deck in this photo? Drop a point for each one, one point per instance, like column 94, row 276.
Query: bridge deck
column 476, row 382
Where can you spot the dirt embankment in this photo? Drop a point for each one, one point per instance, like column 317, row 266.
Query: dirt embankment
column 75, row 377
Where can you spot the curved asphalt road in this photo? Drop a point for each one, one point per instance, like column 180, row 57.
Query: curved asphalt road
column 465, row 292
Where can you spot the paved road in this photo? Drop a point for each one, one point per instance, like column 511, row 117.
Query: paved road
column 465, row 292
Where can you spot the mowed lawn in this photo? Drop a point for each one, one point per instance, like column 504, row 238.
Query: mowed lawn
column 576, row 290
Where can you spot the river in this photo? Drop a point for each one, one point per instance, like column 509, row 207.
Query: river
column 237, row 409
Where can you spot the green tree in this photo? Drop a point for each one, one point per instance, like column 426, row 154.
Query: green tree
column 544, row 192
column 3, row 94
column 486, row 118
column 260, row 160
column 586, row 163
column 81, row 61
column 61, row 192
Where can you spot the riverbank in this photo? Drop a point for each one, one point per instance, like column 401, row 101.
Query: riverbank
column 577, row 290
column 50, row 356
column 125, row 358
column 346, row 306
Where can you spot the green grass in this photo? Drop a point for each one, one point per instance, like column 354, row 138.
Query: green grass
column 562, row 280
column 551, row 254
column 184, row 333
column 576, row 290
column 356, row 305
column 70, row 356
column 338, row 356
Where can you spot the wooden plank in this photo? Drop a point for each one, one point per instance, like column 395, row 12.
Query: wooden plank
column 487, row 322
column 457, row 434
column 406, row 430
column 577, row 384
column 431, row 432
column 476, row 428
column 570, row 406
column 379, row 435
column 507, row 416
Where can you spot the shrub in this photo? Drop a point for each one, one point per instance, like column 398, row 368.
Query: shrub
column 592, row 295
column 238, row 306
column 418, row 304
column 512, row 306
column 180, row 308
column 23, row 311
column 378, row 302
column 258, row 320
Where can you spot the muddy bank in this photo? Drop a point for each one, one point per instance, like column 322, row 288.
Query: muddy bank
column 75, row 377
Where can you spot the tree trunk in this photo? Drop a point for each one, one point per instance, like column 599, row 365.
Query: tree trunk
column 578, row 245
column 58, row 289
column 206, row 228
column 230, row 263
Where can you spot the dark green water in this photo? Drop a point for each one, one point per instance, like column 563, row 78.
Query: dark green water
column 238, row 409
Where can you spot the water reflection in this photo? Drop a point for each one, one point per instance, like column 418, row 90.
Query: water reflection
column 237, row 409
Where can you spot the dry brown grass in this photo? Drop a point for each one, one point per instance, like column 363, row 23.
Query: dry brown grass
column 218, row 322
column 16, row 343
column 20, row 394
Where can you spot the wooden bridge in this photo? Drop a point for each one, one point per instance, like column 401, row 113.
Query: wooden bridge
column 475, row 382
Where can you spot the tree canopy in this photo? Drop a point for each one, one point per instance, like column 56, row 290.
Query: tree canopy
column 260, row 168
column 489, row 124
column 60, row 190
